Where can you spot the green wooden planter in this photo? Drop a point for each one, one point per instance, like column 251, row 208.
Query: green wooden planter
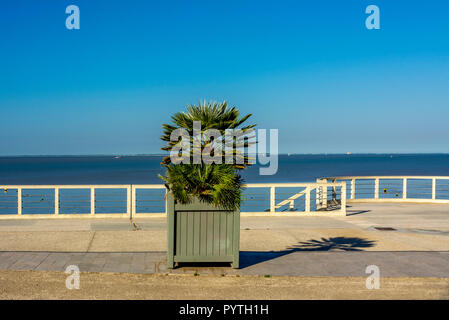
column 199, row 232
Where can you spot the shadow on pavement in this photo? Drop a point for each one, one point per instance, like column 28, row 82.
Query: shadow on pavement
column 249, row 258
column 354, row 212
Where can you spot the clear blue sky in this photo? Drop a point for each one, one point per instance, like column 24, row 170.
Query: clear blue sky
column 309, row 68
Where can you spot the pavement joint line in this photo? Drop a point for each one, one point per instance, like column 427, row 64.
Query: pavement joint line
column 45, row 258
column 91, row 241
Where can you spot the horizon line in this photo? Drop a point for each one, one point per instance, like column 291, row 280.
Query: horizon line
column 164, row 154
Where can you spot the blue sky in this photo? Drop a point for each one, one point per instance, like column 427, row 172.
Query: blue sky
column 309, row 68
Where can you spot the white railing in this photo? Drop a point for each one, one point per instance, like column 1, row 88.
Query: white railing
column 314, row 197
column 395, row 189
column 305, row 190
column 54, row 194
column 328, row 196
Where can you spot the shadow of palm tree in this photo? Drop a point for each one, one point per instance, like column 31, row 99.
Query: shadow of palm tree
column 335, row 243
column 249, row 258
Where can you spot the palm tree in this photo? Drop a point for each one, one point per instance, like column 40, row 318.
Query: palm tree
column 217, row 183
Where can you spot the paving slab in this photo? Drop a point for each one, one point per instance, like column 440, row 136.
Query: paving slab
column 9, row 258
column 129, row 241
column 295, row 263
column 55, row 261
column 250, row 240
column 296, row 246
column 70, row 241
column 29, row 261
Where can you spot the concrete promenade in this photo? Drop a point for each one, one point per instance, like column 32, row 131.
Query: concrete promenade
column 405, row 240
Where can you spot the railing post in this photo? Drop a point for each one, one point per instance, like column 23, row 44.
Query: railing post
column 376, row 188
column 128, row 202
column 272, row 199
column 325, row 195
column 19, row 201
column 404, row 188
column 56, row 200
column 319, row 191
column 434, row 189
column 343, row 198
column 133, row 202
column 319, row 197
column 92, row 200
column 334, row 191
column 307, row 209
column 352, row 189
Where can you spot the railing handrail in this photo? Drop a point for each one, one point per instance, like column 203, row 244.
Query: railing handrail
column 386, row 177
column 290, row 185
column 157, row 186
column 65, row 186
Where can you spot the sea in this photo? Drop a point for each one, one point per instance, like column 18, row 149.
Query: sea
column 144, row 169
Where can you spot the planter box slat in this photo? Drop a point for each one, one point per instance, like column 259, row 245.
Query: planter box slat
column 229, row 238
column 190, row 231
column 203, row 235
column 210, row 235
column 223, row 240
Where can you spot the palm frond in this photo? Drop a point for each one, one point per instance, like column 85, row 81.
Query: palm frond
column 218, row 184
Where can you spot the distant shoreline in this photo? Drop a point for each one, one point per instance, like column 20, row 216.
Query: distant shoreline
column 280, row 154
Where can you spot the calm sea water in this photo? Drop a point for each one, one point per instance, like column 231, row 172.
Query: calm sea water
column 144, row 169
